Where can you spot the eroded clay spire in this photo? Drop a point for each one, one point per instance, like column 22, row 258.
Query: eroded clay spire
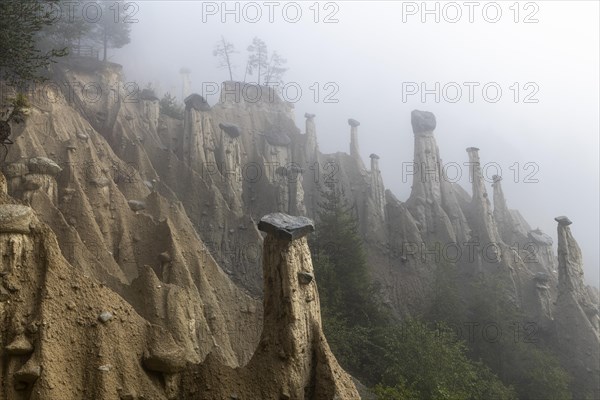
column 354, row 150
column 425, row 201
column 482, row 208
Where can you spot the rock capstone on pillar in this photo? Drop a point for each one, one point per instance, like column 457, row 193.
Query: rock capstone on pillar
column 292, row 329
column 311, row 137
column 576, row 315
column 354, row 151
column 426, row 200
column 570, row 260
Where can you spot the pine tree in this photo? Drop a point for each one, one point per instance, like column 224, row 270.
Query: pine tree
column 223, row 51
column 114, row 28
column 68, row 31
column 275, row 69
column 346, row 283
column 21, row 22
column 257, row 60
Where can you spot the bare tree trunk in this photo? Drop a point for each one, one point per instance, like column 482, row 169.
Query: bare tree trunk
column 259, row 65
column 229, row 66
column 227, row 58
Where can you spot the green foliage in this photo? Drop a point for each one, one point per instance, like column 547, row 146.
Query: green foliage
column 170, row 107
column 446, row 301
column 107, row 24
column 223, row 51
column 356, row 348
column 401, row 361
column 68, row 30
column 275, row 69
column 270, row 69
column 257, row 58
column 342, row 270
column 21, row 23
column 519, row 356
column 114, row 28
column 19, row 105
column 433, row 364
column 398, row 392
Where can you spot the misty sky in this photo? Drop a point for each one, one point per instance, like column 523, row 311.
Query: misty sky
column 377, row 52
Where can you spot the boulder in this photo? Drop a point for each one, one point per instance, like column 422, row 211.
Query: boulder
column 29, row 373
column 19, row 346
column 353, row 123
column 15, row 218
column 422, row 121
column 167, row 362
column 196, row 102
column 105, row 316
column 305, row 277
column 43, row 165
column 562, row 220
column 286, row 227
column 230, row 129
column 136, row 205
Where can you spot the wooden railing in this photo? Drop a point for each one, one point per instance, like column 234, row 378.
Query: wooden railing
column 85, row 51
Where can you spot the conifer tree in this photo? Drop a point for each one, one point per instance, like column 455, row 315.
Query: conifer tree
column 347, row 287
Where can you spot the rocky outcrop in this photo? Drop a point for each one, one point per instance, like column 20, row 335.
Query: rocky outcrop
column 354, row 149
column 377, row 190
column 37, row 175
column 483, row 224
column 155, row 221
column 53, row 345
column 577, row 328
column 502, row 215
column 311, row 146
column 196, row 102
column 425, row 201
column 199, row 141
column 293, row 359
column 185, row 294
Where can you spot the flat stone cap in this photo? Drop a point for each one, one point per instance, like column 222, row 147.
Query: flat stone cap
column 278, row 138
column 286, row 227
column 43, row 165
column 196, row 102
column 230, row 129
column 562, row 220
column 353, row 122
column 15, row 218
column 375, row 156
column 309, row 115
column 472, row 149
column 136, row 205
column 422, row 121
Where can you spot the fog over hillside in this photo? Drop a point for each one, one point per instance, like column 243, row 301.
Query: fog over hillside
column 371, row 62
